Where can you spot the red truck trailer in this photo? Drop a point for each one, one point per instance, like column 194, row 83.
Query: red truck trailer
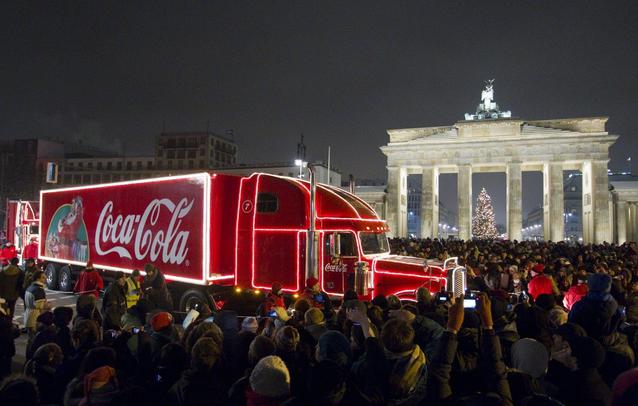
column 213, row 235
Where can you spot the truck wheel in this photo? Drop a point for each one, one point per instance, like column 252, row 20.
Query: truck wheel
column 51, row 273
column 65, row 278
column 191, row 299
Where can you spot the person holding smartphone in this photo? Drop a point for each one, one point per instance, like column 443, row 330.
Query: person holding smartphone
column 317, row 298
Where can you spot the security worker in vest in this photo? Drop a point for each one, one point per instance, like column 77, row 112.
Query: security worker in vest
column 133, row 290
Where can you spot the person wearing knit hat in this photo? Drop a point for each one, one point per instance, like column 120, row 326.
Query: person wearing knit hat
column 540, row 283
column 269, row 381
column 286, row 340
column 274, row 298
column 89, row 282
column 530, row 356
column 315, row 323
column 161, row 321
column 250, row 324
column 202, row 384
column 591, row 388
column 316, row 297
column 625, row 389
column 598, row 311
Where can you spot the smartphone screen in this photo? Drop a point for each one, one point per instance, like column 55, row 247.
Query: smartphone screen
column 469, row 303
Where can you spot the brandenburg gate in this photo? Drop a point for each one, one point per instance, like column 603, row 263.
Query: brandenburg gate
column 493, row 141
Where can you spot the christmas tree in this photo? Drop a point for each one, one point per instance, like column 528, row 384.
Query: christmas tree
column 483, row 222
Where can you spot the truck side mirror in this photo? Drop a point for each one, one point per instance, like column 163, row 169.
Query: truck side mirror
column 335, row 244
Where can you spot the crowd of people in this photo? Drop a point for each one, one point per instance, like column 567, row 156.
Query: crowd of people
column 551, row 324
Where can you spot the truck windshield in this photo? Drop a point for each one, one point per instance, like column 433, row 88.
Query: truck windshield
column 373, row 243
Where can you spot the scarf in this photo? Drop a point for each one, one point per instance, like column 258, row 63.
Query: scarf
column 406, row 371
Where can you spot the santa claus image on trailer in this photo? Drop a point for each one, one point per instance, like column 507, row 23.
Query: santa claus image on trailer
column 67, row 236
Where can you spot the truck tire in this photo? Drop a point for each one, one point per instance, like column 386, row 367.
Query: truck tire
column 51, row 273
column 65, row 278
column 192, row 298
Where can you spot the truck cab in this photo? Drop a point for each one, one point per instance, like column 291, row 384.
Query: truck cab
column 273, row 218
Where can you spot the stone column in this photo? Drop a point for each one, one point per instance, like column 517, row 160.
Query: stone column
column 621, row 221
column 553, row 202
column 397, row 218
column 514, row 201
column 464, row 182
column 600, row 201
column 430, row 203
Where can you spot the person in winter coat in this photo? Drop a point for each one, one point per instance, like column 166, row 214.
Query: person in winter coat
column 155, row 289
column 392, row 369
column 576, row 292
column 313, row 294
column 598, row 311
column 8, row 253
column 43, row 368
column 133, row 289
column 8, row 334
column 11, row 278
column 198, row 383
column 100, row 387
column 585, row 386
column 31, row 249
column 275, row 298
column 30, row 269
column 35, row 301
column 114, row 303
column 493, row 369
column 269, row 383
column 90, row 282
column 540, row 283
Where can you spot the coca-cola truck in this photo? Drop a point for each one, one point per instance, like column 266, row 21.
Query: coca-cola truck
column 215, row 235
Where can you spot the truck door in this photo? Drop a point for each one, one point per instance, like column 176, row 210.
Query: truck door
column 339, row 257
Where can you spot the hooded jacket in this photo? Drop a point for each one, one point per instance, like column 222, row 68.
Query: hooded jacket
column 10, row 283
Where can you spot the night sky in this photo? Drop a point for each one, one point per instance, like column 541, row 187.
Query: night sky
column 339, row 72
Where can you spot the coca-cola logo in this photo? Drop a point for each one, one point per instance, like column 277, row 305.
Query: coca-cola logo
column 149, row 243
column 336, row 268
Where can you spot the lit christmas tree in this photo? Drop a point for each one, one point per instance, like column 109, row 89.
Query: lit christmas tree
column 483, row 222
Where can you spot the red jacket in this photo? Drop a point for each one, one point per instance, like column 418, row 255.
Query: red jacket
column 540, row 284
column 8, row 253
column 30, row 251
column 89, row 283
column 574, row 294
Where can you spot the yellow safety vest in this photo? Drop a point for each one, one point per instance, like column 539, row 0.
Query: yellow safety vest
column 132, row 292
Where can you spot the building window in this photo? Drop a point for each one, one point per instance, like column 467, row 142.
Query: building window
column 129, row 165
column 170, row 154
column 180, row 164
column 109, row 165
column 139, row 165
column 170, row 164
column 191, row 164
column 192, row 153
column 159, row 165
column 181, row 154
column 119, row 166
column 267, row 203
column 99, row 166
column 81, row 165
column 90, row 164
column 171, row 143
column 201, row 163
column 202, row 152
column 181, row 143
column 149, row 165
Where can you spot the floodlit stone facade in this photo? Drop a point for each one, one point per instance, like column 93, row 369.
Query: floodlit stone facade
column 509, row 145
